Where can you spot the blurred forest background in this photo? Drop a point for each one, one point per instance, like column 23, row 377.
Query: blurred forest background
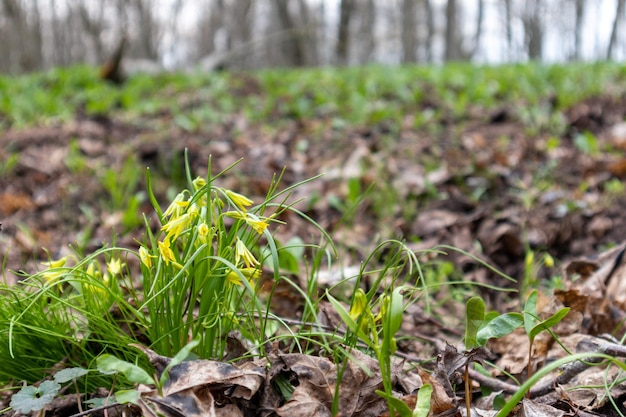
column 242, row 34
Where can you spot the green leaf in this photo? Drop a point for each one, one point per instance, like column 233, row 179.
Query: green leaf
column 399, row 405
column 178, row 359
column 498, row 327
column 530, row 312
column 109, row 363
column 396, row 310
column 474, row 317
column 422, row 407
column 127, row 396
column 549, row 322
column 32, row 398
column 68, row 374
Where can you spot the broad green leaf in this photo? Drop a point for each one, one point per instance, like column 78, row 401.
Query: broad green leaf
column 127, row 396
column 399, row 405
column 474, row 316
column 352, row 325
column 498, row 327
column 488, row 317
column 135, row 374
column 549, row 322
column 422, row 408
column 68, row 374
column 32, row 398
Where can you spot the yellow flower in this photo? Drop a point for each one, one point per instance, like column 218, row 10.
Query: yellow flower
column 359, row 304
column 257, row 224
column 54, row 271
column 94, row 274
column 114, row 266
column 243, row 253
column 166, row 252
column 253, row 221
column 249, row 273
column 548, row 260
column 91, row 270
column 145, row 257
column 203, row 230
column 198, row 183
column 177, row 207
column 241, row 201
column 179, row 224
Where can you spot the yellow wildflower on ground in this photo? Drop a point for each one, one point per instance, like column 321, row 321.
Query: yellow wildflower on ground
column 203, row 230
column 166, row 252
column 359, row 304
column 177, row 207
column 145, row 257
column 259, row 225
column 94, row 274
column 114, row 266
column 250, row 274
column 53, row 272
column 198, row 183
column 178, row 225
column 243, row 253
column 241, row 201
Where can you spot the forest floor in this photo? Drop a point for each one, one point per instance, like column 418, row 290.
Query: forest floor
column 545, row 209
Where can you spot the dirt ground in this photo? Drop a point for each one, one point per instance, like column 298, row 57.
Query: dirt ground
column 488, row 187
column 495, row 193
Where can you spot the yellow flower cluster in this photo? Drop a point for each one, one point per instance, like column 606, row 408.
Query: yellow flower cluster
column 114, row 268
column 55, row 270
column 184, row 215
column 250, row 266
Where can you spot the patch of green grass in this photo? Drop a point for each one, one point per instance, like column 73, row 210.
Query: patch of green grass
column 366, row 95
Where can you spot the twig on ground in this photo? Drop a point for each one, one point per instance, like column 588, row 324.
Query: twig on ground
column 590, row 344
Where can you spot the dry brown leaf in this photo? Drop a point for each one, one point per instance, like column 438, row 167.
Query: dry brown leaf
column 317, row 377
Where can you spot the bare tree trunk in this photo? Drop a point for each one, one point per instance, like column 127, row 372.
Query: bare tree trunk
column 580, row 13
column 60, row 56
column 533, row 29
column 409, row 31
column 479, row 27
column 149, row 33
column 430, row 37
column 508, row 12
column 93, row 28
column 294, row 49
column 16, row 34
column 37, row 38
column 308, row 36
column 366, row 11
column 616, row 22
column 452, row 39
column 343, row 31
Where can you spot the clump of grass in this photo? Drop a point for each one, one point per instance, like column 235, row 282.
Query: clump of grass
column 199, row 276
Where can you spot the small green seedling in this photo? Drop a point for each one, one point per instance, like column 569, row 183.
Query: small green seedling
column 377, row 332
column 533, row 325
column 479, row 328
column 109, row 364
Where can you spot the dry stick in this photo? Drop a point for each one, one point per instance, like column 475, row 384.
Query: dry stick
column 592, row 344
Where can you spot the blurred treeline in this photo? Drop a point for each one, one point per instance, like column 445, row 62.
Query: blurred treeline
column 176, row 34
